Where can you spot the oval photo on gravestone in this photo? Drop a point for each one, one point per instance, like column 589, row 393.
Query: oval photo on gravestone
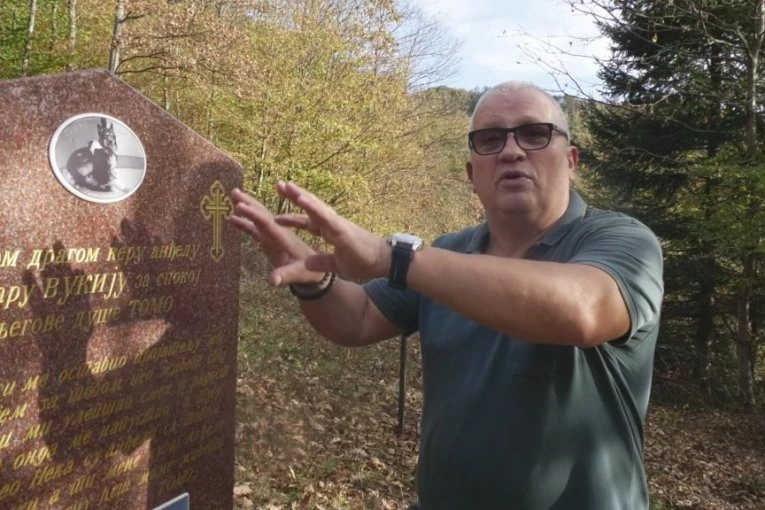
column 97, row 158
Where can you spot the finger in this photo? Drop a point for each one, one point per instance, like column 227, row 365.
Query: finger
column 300, row 221
column 308, row 270
column 263, row 221
column 238, row 195
column 248, row 204
column 323, row 216
column 245, row 226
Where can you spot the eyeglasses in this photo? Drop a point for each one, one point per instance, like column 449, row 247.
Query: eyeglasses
column 529, row 137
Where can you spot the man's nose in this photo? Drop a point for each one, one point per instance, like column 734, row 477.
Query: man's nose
column 511, row 149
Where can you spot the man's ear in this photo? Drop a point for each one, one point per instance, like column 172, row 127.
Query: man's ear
column 573, row 158
column 469, row 170
column 573, row 163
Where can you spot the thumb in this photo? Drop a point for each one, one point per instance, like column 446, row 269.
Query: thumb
column 307, row 270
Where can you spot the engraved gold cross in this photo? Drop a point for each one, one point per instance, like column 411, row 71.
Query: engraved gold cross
column 216, row 206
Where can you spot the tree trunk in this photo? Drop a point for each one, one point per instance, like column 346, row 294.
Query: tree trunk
column 54, row 25
column 744, row 338
column 30, row 36
column 72, row 28
column 166, row 93
column 116, row 46
column 745, row 291
column 703, row 337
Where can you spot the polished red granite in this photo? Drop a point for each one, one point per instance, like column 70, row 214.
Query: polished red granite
column 118, row 301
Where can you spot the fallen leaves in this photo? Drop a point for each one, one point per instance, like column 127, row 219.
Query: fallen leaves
column 315, row 430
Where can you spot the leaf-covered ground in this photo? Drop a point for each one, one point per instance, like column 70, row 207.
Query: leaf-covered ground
column 316, row 429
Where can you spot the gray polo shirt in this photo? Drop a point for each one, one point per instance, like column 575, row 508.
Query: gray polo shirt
column 514, row 425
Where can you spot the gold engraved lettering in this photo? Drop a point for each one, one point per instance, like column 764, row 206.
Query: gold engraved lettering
column 183, row 365
column 21, row 328
column 216, row 340
column 138, row 378
column 80, row 505
column 92, row 458
column 172, row 349
column 177, row 480
column 205, row 449
column 198, row 415
column 9, row 258
column 111, row 285
column 115, row 491
column 34, row 383
column 99, row 389
column 55, row 497
column 201, row 433
column 9, row 414
column 150, row 307
column 28, row 505
column 209, row 394
column 97, row 411
column 129, row 443
column 160, row 392
column 10, row 489
column 125, row 466
column 51, row 287
column 15, row 295
column 47, row 474
column 190, row 277
column 35, row 457
column 163, row 469
column 7, row 388
column 210, row 377
column 80, row 439
column 167, row 448
column 114, row 427
column 42, row 258
column 85, row 320
column 149, row 415
column 47, row 404
column 174, row 251
column 216, row 206
column 127, row 255
column 142, row 281
column 80, row 484
column 37, row 431
column 92, row 368
column 217, row 356
column 5, row 439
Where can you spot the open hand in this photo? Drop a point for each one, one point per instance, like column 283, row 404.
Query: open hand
column 358, row 253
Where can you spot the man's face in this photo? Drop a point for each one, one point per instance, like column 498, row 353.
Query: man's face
column 517, row 182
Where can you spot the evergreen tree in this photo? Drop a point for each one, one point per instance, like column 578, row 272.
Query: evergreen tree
column 680, row 107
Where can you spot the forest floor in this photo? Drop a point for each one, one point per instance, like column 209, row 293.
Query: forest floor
column 316, row 429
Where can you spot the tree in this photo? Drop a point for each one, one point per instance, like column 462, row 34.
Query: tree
column 675, row 85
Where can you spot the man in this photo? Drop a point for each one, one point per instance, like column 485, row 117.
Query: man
column 537, row 327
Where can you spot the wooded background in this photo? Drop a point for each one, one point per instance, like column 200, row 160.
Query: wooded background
column 339, row 96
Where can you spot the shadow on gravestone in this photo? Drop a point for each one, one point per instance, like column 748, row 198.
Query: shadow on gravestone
column 117, row 367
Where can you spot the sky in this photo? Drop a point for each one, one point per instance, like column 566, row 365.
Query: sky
column 526, row 40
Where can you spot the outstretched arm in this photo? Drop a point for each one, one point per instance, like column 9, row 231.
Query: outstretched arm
column 543, row 302
column 345, row 315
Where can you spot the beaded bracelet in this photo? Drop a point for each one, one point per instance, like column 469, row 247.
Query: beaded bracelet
column 313, row 291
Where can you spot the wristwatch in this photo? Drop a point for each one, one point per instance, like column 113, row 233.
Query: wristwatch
column 403, row 247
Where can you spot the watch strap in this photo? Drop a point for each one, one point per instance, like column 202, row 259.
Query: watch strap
column 401, row 256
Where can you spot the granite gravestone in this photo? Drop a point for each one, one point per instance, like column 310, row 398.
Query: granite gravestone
column 118, row 301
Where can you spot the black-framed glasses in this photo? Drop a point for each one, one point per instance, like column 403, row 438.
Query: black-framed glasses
column 529, row 137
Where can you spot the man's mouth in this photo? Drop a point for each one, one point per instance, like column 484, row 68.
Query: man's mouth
column 512, row 175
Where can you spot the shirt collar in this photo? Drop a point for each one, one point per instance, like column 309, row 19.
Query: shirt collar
column 576, row 210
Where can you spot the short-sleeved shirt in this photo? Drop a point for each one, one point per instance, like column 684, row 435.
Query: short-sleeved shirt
column 509, row 424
